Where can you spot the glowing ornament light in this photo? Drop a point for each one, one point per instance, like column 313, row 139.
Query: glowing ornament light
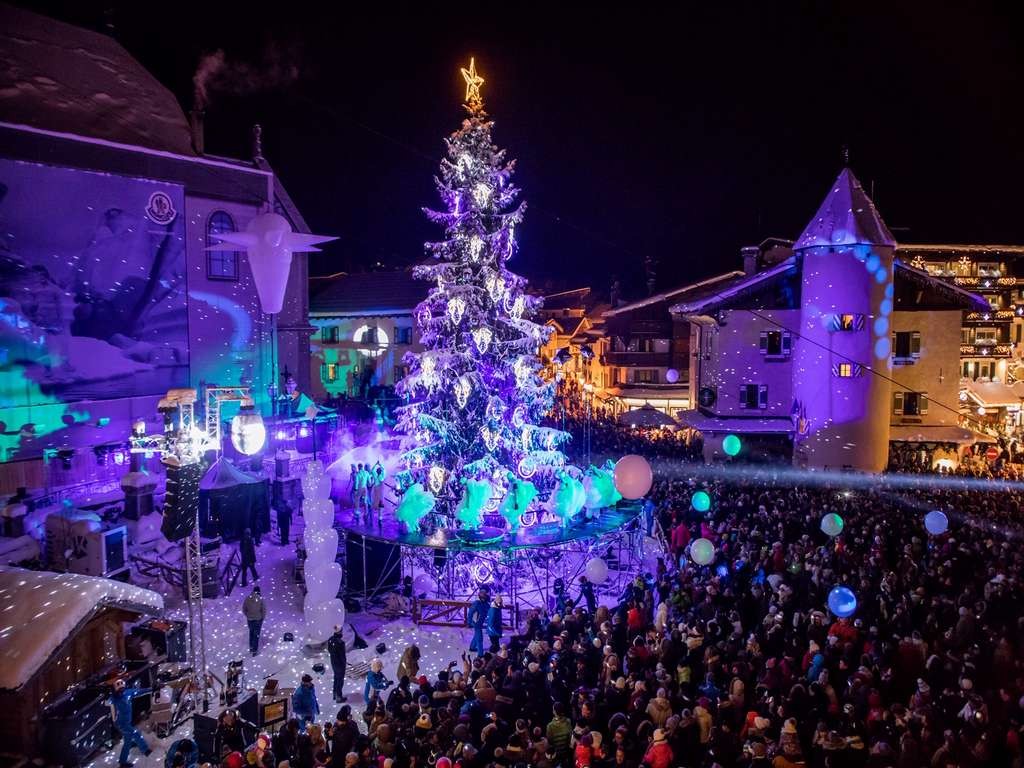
column 428, row 370
column 495, row 287
column 482, row 338
column 436, row 478
column 516, row 309
column 526, row 467
column 523, row 371
column 490, row 438
column 519, row 417
column 462, row 389
column 481, row 194
column 456, row 309
column 476, row 245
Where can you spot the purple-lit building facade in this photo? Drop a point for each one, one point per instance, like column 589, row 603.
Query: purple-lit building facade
column 826, row 354
column 108, row 296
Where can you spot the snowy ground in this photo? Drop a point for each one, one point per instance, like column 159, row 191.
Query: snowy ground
column 227, row 639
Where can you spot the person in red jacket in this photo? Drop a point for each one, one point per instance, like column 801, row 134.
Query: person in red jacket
column 659, row 754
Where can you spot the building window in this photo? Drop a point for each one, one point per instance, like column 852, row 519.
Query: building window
column 986, row 336
column 989, row 269
column 846, row 322
column 776, row 343
column 403, row 335
column 753, row 396
column 846, row 370
column 329, row 334
column 910, row 403
column 906, row 345
column 220, row 265
column 329, row 372
column 645, row 376
column 400, row 372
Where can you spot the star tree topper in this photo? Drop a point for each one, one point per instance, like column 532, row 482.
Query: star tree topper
column 473, row 82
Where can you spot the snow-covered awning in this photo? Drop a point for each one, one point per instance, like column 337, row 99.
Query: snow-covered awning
column 920, row 433
column 767, row 425
column 991, row 394
column 39, row 610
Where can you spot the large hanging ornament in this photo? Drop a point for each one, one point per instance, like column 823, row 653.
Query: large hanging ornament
column 495, row 287
column 519, row 417
column 526, row 468
column 481, row 194
column 428, row 370
column 476, row 246
column 523, row 371
column 464, row 164
column 269, row 242
column 424, row 316
column 490, row 438
column 516, row 308
column 463, row 389
column 436, row 478
column 482, row 338
column 526, row 436
column 456, row 309
column 495, row 408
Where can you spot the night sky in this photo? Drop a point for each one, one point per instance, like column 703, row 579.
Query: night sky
column 682, row 135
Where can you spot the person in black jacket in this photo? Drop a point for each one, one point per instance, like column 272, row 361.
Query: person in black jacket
column 343, row 739
column 247, row 551
column 336, row 649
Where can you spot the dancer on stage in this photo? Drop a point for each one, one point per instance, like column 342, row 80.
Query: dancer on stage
column 477, row 618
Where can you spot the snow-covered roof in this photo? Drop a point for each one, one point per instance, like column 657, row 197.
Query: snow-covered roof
column 368, row 294
column 39, row 610
column 64, row 78
column 716, row 293
column 846, row 217
column 936, row 433
column 675, row 293
column 993, row 394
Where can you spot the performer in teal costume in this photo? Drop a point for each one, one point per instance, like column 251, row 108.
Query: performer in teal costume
column 520, row 495
column 416, row 504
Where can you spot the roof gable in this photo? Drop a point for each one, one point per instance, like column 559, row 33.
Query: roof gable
column 846, row 217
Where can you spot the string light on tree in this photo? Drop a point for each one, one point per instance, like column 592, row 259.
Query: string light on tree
column 456, row 309
column 476, row 245
column 482, row 338
column 463, row 389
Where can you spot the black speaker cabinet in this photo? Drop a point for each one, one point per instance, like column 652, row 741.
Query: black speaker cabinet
column 383, row 571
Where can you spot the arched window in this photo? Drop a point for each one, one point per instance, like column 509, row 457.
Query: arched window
column 220, row 265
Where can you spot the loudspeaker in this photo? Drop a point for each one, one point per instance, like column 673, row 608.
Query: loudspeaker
column 383, row 565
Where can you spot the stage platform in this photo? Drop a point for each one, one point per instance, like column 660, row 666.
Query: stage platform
column 608, row 521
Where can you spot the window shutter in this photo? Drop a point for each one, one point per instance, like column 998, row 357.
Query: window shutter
column 764, row 342
column 915, row 343
column 922, row 403
column 835, row 369
column 762, row 396
column 787, row 343
column 893, row 347
column 743, row 396
column 832, row 323
column 897, row 403
column 858, row 322
column 323, row 372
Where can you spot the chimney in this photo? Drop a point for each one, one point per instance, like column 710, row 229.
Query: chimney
column 257, row 142
column 751, row 259
column 195, row 124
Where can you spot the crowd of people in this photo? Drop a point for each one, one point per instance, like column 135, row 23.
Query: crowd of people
column 739, row 662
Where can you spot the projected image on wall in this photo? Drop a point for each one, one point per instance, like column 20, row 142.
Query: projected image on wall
column 92, row 295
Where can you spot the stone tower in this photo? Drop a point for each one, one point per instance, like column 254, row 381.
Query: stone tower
column 841, row 403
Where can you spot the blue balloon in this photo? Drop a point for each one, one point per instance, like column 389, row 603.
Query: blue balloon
column 936, row 523
column 701, row 501
column 842, row 602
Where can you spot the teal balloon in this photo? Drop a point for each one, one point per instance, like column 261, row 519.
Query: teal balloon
column 731, row 445
column 702, row 552
column 842, row 602
column 701, row 501
column 936, row 523
column 832, row 524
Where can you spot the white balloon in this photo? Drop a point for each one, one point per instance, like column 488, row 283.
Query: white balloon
column 322, row 583
column 596, row 571
column 633, row 476
column 321, row 547
column 318, row 514
column 323, row 618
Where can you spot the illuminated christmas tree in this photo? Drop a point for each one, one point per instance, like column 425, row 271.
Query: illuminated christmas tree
column 475, row 391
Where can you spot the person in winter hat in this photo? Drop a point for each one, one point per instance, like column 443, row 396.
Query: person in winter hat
column 659, row 753
column 304, row 703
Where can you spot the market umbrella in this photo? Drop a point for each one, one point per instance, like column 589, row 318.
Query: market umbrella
column 646, row 416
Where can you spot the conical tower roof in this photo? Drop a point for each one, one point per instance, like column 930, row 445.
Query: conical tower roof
column 846, row 217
